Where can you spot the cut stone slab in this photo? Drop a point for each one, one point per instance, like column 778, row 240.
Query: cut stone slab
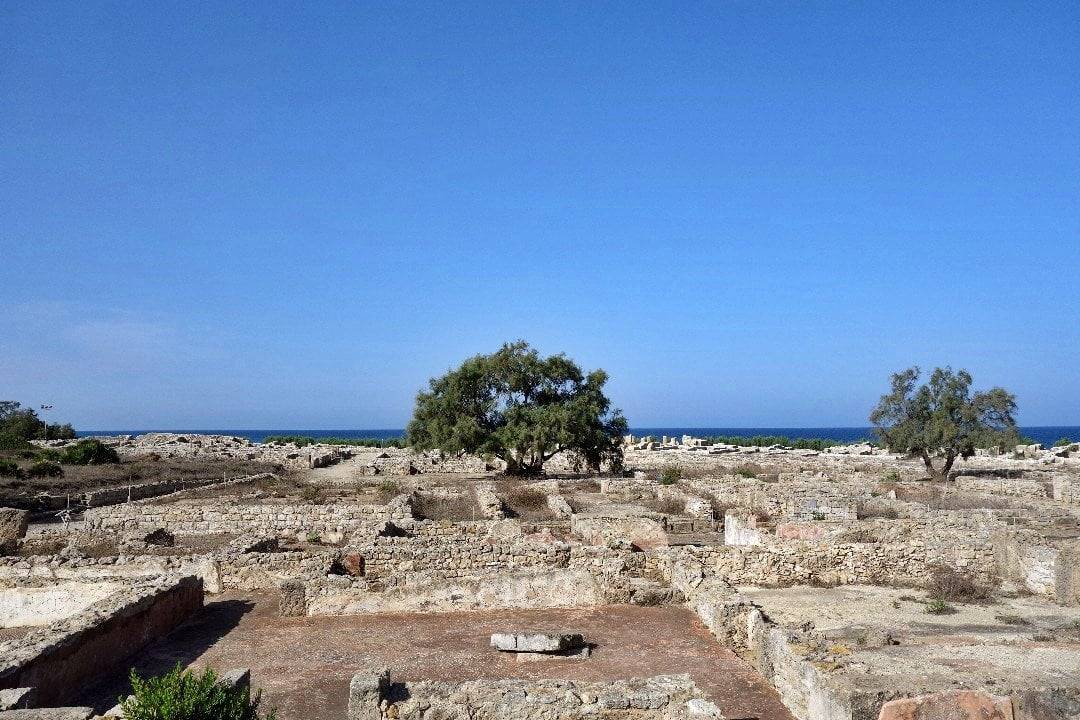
column 63, row 713
column 536, row 642
column 16, row 698
column 573, row 653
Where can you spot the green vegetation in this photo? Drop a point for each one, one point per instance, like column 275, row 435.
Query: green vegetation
column 23, row 423
column 937, row 606
column 522, row 408
column 670, row 475
column 45, row 468
column 305, row 440
column 9, row 468
column 89, row 452
column 185, row 695
column 770, row 440
column 1062, row 442
column 943, row 418
column 12, row 444
column 748, row 470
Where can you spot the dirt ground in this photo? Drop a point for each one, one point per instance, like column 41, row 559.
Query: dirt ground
column 304, row 664
column 81, row 478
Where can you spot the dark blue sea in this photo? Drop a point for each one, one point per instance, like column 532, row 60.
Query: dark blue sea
column 1046, row 434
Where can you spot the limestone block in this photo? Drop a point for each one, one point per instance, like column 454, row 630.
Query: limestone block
column 239, row 678
column 13, row 525
column 293, row 599
column 536, row 642
column 16, row 698
column 950, row 705
column 61, row 713
column 366, row 692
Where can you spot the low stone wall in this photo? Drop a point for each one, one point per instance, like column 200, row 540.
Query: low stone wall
column 1030, row 488
column 663, row 697
column 61, row 658
column 195, row 517
column 801, row 562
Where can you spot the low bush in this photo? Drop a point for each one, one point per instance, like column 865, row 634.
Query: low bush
column 388, row 490
column 45, row 468
column 668, row 506
column 748, row 470
column 770, row 440
column 11, row 444
column 46, row 454
column 1063, row 442
column 949, row 584
column 446, row 507
column 670, row 475
column 186, row 695
column 937, row 606
column 312, row 494
column 865, row 511
column 10, row 468
column 89, row 452
column 305, row 440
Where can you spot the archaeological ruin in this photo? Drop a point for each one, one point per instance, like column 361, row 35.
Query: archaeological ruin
column 699, row 581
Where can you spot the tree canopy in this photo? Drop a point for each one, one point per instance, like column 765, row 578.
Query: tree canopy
column 943, row 418
column 24, row 424
column 520, row 407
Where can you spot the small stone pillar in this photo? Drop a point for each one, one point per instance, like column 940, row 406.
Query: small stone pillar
column 293, row 599
column 367, row 690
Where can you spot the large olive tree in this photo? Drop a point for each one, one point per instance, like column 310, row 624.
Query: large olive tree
column 943, row 418
column 520, row 407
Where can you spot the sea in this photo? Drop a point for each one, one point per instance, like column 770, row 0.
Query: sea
column 1045, row 434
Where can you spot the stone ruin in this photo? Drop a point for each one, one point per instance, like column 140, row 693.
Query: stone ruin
column 815, row 574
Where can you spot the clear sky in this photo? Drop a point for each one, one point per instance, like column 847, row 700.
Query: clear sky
column 256, row 215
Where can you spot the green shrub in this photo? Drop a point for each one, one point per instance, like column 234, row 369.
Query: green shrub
column 46, row 454
column 11, row 444
column 185, row 695
column 670, row 475
column 60, row 432
column 312, row 494
column 388, row 489
column 748, row 470
column 305, row 440
column 45, row 468
column 770, row 440
column 297, row 440
column 937, row 606
column 9, row 468
column 1063, row 442
column 89, row 452
column 893, row 476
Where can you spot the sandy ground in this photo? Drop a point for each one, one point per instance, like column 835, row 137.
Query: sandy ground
column 304, row 664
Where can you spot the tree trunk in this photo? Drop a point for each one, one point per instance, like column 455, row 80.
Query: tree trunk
column 929, row 462
column 950, row 458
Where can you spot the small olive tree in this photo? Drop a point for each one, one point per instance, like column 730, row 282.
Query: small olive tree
column 943, row 418
column 520, row 407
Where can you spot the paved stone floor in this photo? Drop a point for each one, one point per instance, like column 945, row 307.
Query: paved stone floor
column 304, row 664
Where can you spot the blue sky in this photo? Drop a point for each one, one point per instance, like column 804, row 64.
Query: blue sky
column 293, row 214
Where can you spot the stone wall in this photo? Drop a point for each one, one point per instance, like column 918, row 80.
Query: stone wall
column 1030, row 488
column 663, row 697
column 455, row 550
column 61, row 658
column 200, row 517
